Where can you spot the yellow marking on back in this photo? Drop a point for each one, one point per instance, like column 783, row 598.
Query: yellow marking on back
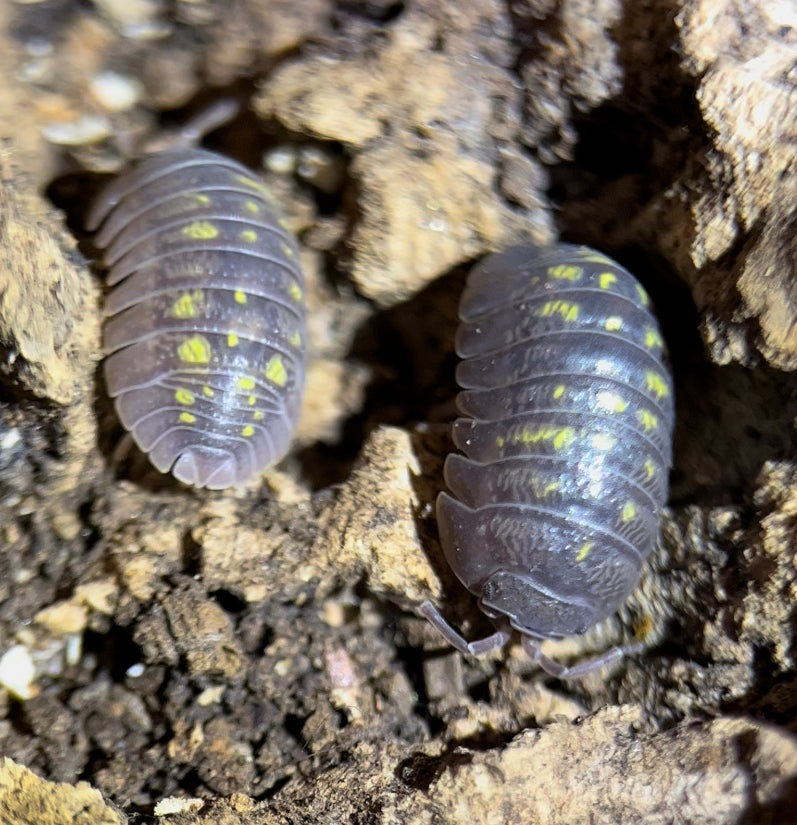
column 613, row 323
column 248, row 431
column 628, row 512
column 295, row 339
column 296, row 293
column 584, row 551
column 248, row 235
column 652, row 338
column 232, row 339
column 201, row 231
column 603, row 441
column 187, row 418
column 611, row 402
column 201, row 199
column 500, row 441
column 559, row 391
column 543, row 488
column 252, row 400
column 560, row 437
column 643, row 296
column 595, row 257
column 182, row 396
column 565, row 272
column 647, row 419
column 657, row 384
column 207, row 391
column 252, row 206
column 247, row 181
column 275, row 371
column 606, row 280
column 187, row 305
column 258, row 415
column 245, row 383
column 195, row 350
column 240, row 296
column 567, row 310
column 650, row 468
column 284, row 223
column 287, row 251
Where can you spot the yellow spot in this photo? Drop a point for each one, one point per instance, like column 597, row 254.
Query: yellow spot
column 565, row 272
column 595, row 257
column 258, row 415
column 195, row 350
column 606, row 280
column 628, row 512
column 275, row 371
column 584, row 551
column 252, row 207
column 201, row 231
column 559, row 391
column 187, row 418
column 245, row 383
column 248, row 235
column 650, row 468
column 643, row 296
column 240, row 296
column 603, row 441
column 564, row 438
column 284, row 223
column 287, row 251
column 657, row 384
column 568, row 311
column 560, row 437
column 207, row 391
column 611, row 402
column 613, row 323
column 252, row 400
column 248, row 431
column 652, row 338
column 296, row 293
column 184, row 397
column 247, row 181
column 295, row 340
column 647, row 419
column 202, row 200
column 187, row 305
column 543, row 488
column 500, row 441
column 232, row 339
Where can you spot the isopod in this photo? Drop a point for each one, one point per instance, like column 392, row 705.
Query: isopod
column 205, row 330
column 566, row 429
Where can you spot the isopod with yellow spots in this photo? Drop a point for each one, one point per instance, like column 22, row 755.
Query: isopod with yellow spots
column 205, row 320
column 566, row 429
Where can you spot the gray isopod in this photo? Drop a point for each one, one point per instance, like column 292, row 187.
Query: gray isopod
column 205, row 331
column 567, row 438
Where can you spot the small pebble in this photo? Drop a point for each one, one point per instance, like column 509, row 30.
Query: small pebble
column 281, row 160
column 86, row 129
column 115, row 92
column 17, row 672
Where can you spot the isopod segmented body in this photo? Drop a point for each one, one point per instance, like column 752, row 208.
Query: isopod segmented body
column 205, row 319
column 567, row 441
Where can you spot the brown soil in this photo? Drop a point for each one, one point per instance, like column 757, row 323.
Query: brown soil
column 254, row 656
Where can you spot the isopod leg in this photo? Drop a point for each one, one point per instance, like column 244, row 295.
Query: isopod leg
column 215, row 115
column 189, row 135
column 560, row 671
column 477, row 648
